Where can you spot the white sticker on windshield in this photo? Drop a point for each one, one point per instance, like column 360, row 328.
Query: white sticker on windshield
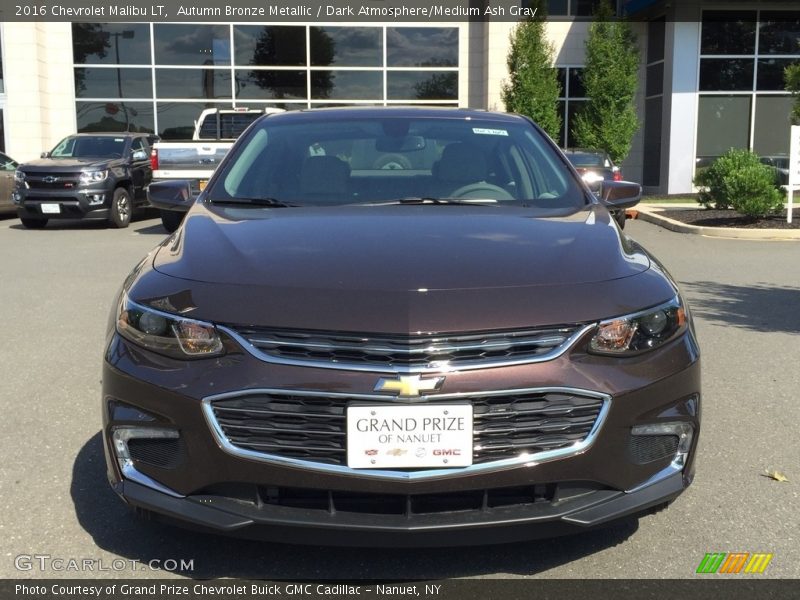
column 483, row 131
column 119, row 139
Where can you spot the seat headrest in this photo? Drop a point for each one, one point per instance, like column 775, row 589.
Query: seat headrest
column 461, row 163
column 324, row 175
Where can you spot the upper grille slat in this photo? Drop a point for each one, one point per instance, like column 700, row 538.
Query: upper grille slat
column 418, row 353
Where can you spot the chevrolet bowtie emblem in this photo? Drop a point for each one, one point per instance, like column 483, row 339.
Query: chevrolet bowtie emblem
column 409, row 385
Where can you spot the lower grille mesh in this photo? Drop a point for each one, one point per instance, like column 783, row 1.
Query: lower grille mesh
column 293, row 425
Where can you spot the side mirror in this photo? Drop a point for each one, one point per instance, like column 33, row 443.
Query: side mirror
column 44, row 155
column 621, row 194
column 139, row 155
column 171, row 195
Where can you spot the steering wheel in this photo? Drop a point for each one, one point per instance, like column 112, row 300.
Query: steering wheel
column 393, row 162
column 482, row 189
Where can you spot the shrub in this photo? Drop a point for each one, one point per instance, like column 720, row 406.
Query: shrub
column 738, row 180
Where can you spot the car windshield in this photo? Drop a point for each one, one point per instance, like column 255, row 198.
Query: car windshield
column 303, row 161
column 90, row 147
column 585, row 159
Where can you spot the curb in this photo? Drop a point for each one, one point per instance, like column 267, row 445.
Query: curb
column 650, row 214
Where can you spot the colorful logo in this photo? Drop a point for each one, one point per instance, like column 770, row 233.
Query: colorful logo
column 734, row 562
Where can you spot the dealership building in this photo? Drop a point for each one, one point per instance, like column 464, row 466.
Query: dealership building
column 711, row 75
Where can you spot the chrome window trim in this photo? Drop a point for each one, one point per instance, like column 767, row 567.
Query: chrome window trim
column 432, row 367
column 530, row 460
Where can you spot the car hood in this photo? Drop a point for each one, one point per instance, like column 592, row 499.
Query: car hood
column 54, row 165
column 398, row 268
column 399, row 248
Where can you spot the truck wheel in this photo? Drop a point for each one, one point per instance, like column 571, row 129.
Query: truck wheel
column 33, row 223
column 171, row 219
column 121, row 208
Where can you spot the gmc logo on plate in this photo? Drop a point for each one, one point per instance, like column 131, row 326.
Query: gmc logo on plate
column 447, row 452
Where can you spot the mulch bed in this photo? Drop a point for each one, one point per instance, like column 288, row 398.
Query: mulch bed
column 729, row 218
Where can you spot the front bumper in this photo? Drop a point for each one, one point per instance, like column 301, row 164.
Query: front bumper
column 89, row 203
column 241, row 496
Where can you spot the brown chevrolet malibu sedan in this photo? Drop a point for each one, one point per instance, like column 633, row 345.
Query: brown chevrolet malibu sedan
column 393, row 326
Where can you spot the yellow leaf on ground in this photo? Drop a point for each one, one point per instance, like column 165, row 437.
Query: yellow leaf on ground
column 776, row 475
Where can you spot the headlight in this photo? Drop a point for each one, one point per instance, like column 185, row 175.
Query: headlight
column 166, row 333
column 93, row 176
column 640, row 331
column 19, row 176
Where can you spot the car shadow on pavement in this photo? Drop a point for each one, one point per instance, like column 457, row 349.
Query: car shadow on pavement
column 117, row 530
column 139, row 224
column 757, row 307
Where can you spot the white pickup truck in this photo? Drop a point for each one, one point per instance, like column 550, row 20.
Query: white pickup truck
column 214, row 133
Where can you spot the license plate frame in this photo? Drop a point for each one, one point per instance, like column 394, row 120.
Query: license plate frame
column 50, row 208
column 409, row 436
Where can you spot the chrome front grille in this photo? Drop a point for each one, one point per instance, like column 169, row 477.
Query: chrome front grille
column 408, row 354
column 311, row 426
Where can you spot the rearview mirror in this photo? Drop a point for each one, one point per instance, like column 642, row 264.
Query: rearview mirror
column 44, row 155
column 621, row 194
column 171, row 195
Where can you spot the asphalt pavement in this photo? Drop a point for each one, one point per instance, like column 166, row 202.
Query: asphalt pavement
column 56, row 288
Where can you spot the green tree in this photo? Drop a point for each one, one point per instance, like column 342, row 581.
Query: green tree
column 532, row 88
column 792, row 78
column 608, row 119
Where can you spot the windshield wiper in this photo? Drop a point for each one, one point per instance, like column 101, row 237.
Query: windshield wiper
column 273, row 202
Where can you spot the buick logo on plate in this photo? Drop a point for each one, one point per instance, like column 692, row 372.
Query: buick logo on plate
column 50, row 179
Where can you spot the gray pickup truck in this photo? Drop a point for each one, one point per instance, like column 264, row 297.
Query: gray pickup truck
column 86, row 176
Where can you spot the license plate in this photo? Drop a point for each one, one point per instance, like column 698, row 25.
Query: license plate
column 409, row 436
column 202, row 184
column 51, row 209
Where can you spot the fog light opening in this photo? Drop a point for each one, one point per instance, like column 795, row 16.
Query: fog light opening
column 95, row 199
column 681, row 429
column 121, row 435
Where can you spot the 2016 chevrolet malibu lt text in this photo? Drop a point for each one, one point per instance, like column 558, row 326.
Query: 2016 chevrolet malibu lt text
column 394, row 326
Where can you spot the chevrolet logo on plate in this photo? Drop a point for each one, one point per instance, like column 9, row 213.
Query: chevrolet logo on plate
column 409, row 385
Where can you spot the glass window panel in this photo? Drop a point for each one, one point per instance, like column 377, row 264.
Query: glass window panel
column 269, row 45
column 113, row 83
column 283, row 105
column 583, row 8
column 346, row 46
column 655, row 79
column 422, row 85
column 773, row 119
column 270, row 84
column 655, row 40
column 347, row 85
column 111, row 43
column 192, row 44
column 422, row 46
column 115, row 116
column 576, row 88
column 562, row 81
column 770, row 73
column 779, row 33
column 556, row 8
column 651, row 167
column 726, row 74
column 2, row 130
column 193, row 83
column 176, row 119
column 728, row 32
column 562, row 110
column 573, row 110
column 723, row 122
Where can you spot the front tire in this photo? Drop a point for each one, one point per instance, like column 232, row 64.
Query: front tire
column 171, row 219
column 121, row 209
column 33, row 223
